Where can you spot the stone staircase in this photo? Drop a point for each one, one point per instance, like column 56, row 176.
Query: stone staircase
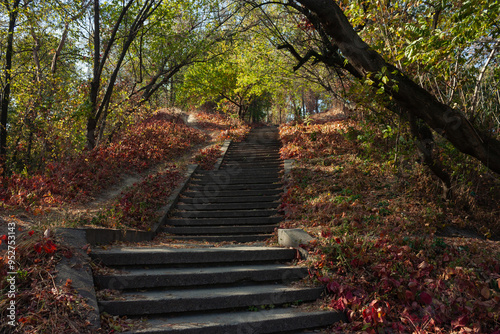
column 237, row 202
column 231, row 289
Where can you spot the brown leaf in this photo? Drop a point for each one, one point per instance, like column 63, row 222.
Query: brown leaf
column 485, row 292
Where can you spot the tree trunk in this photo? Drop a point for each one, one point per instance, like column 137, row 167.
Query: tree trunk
column 446, row 121
column 4, row 108
column 99, row 109
column 425, row 144
column 96, row 78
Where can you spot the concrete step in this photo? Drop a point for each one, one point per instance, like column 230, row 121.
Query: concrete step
column 251, row 160
column 241, row 199
column 252, row 156
column 230, row 193
column 263, row 179
column 219, row 230
column 227, row 206
column 214, row 188
column 124, row 256
column 250, row 165
column 222, row 238
column 226, row 213
column 277, row 320
column 199, row 276
column 206, row 299
column 222, row 175
column 224, row 221
column 253, row 152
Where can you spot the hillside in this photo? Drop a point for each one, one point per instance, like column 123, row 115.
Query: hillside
column 393, row 255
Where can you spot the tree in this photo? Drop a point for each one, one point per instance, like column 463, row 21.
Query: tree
column 12, row 7
column 99, row 109
column 347, row 51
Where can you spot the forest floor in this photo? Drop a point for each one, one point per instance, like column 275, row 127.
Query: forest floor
column 394, row 256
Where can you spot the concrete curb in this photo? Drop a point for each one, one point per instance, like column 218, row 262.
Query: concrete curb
column 174, row 198
column 103, row 236
column 294, row 237
column 224, row 149
column 77, row 268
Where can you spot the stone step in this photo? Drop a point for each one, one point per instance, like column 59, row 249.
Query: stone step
column 206, row 299
column 247, row 166
column 277, row 320
column 200, row 199
column 249, row 159
column 253, row 152
column 251, row 156
column 224, row 221
column 219, row 230
column 199, row 276
column 222, row 238
column 215, row 188
column 222, row 176
column 208, row 193
column 263, row 179
column 237, row 171
column 226, row 213
column 227, row 206
column 172, row 256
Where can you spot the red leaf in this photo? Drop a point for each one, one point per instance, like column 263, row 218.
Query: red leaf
column 38, row 248
column 425, row 298
column 3, row 237
column 409, row 295
column 49, row 247
column 31, row 233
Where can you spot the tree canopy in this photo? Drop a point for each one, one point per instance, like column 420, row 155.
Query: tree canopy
column 75, row 73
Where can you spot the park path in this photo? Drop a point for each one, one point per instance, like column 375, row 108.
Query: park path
column 242, row 288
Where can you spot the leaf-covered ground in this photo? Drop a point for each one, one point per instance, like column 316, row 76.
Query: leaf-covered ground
column 383, row 245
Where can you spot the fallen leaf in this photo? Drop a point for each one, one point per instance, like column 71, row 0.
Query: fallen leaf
column 485, row 292
column 425, row 298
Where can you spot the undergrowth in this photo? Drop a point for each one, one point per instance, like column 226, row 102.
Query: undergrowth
column 41, row 305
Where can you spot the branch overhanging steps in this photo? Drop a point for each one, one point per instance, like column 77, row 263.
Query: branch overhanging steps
column 227, row 289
